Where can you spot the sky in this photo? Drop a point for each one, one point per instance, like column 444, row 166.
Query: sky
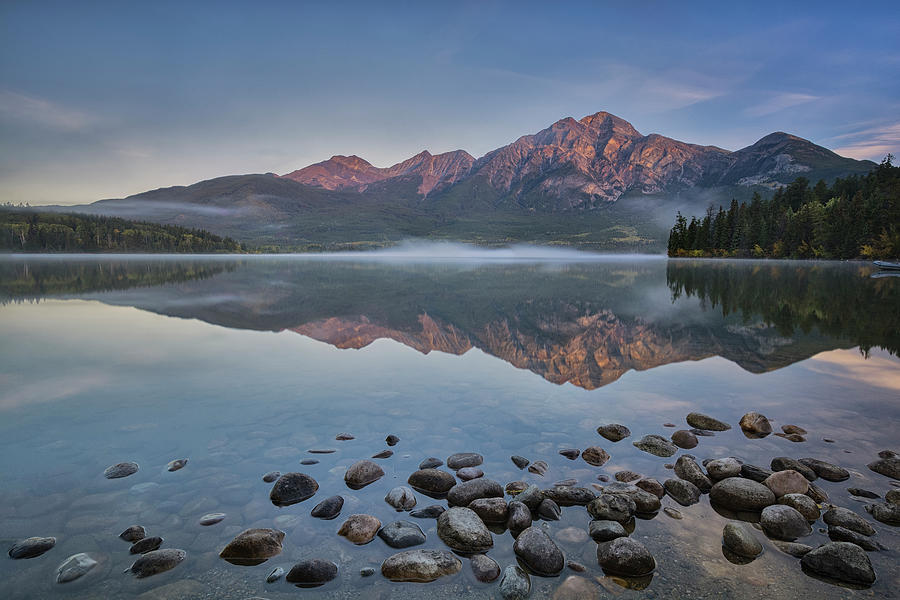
column 106, row 99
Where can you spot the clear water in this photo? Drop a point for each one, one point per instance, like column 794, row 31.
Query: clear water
column 243, row 364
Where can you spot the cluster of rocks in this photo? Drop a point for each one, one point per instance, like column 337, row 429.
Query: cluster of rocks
column 783, row 501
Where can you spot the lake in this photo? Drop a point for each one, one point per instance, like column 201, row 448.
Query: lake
column 242, row 364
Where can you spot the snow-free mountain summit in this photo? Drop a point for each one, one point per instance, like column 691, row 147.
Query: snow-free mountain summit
column 576, row 180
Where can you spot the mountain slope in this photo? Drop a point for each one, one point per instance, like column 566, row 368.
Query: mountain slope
column 596, row 182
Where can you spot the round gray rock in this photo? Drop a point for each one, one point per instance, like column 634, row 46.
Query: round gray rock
column 784, row 523
column 539, row 553
column 462, row 530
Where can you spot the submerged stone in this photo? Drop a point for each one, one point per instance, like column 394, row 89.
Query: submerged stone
column 464, row 459
column 328, row 509
column 705, row 422
column 211, row 519
column 157, row 561
column 31, row 547
column 176, row 464
column 402, row 534
column 74, row 567
column 146, row 545
column 401, row 498
column 292, row 488
column 312, row 573
column 253, row 547
column 362, row 473
column 515, row 584
column 133, row 534
column 625, row 556
column 420, row 565
column 360, row 529
column 739, row 539
column 123, row 469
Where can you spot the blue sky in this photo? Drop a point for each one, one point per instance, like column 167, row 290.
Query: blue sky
column 106, row 99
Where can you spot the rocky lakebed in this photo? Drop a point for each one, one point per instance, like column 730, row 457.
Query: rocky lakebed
column 449, row 522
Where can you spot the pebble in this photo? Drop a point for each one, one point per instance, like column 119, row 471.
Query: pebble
column 539, row 553
column 612, row 507
column 392, row 440
column 755, row 424
column 566, row 495
column 468, row 473
column 614, row 432
column 786, row 482
column 843, row 517
column 292, row 488
column 490, row 510
column 343, row 437
column 432, row 482
column 429, row 512
column 420, row 566
column 627, row 476
column 402, row 534
column 686, row 468
column 605, row 530
column 74, row 567
column 784, row 523
column 274, row 575
column 595, row 456
column 842, row 534
column 463, row 531
column 577, row 588
column 538, row 467
column 157, row 561
column 120, row 470
column 683, row 492
column 328, row 509
column 549, row 510
column 520, row 461
column 793, row 429
column 401, row 498
column 625, row 556
column 887, row 513
column 673, row 512
column 133, row 534
column 362, row 473
column 146, row 545
column 685, row 439
column 31, row 547
column 484, row 568
column 515, row 584
column 312, row 572
column 783, row 463
column 360, row 529
column 826, row 470
column 519, row 518
column 705, row 422
column 889, row 467
column 722, row 468
column 862, row 493
column 309, row 461
column 792, row 548
column 463, row 493
column 803, row 504
column 570, row 453
column 271, row 476
column 652, row 486
column 322, row 451
column 366, row 572
column 842, row 561
column 383, row 454
column 431, row 463
column 739, row 494
column 253, row 547
column 176, row 464
column 464, row 459
column 738, row 538
column 211, row 519
column 656, row 445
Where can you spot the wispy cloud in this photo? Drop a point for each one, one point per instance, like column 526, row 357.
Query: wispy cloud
column 871, row 143
column 778, row 103
column 44, row 113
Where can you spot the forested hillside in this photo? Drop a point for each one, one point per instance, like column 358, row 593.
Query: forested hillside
column 26, row 231
column 856, row 217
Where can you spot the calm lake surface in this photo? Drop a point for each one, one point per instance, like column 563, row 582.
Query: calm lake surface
column 243, row 364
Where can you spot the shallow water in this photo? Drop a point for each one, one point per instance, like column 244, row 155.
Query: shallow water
column 243, row 364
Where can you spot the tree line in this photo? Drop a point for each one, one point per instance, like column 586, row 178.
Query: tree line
column 855, row 217
column 29, row 231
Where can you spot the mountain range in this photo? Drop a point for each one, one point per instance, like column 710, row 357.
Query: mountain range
column 594, row 182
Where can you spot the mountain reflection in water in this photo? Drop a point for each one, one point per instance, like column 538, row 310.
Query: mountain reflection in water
column 585, row 323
